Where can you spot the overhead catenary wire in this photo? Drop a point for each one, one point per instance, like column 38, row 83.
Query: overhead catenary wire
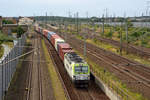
column 19, row 56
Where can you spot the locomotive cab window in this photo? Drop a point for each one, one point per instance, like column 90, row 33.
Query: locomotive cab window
column 81, row 69
column 78, row 69
column 85, row 69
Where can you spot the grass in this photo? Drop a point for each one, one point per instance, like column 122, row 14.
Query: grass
column 115, row 50
column 10, row 44
column 112, row 81
column 56, row 84
column 5, row 38
column 13, row 85
column 116, row 33
column 1, row 51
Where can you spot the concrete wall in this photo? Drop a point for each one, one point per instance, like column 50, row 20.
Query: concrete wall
column 7, row 28
column 110, row 93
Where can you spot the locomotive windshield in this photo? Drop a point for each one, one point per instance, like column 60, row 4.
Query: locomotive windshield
column 81, row 69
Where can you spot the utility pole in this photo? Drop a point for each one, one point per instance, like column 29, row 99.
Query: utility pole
column 60, row 26
column 106, row 15
column 147, row 12
column 65, row 30
column 77, row 23
column 85, row 36
column 142, row 44
column 69, row 21
column 147, row 7
column 46, row 20
column 121, row 39
column 103, row 24
column 110, row 22
column 126, row 29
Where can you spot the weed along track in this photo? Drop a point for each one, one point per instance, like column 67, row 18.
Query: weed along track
column 91, row 93
column 75, row 55
column 129, row 72
column 35, row 78
column 144, row 52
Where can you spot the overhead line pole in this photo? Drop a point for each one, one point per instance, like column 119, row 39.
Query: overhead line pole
column 126, row 29
column 46, row 21
column 121, row 39
column 103, row 25
column 85, row 36
column 77, row 22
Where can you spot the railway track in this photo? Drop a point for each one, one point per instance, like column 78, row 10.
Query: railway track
column 129, row 71
column 119, row 61
column 35, row 63
column 72, row 92
column 130, row 48
column 39, row 69
column 29, row 81
column 141, row 51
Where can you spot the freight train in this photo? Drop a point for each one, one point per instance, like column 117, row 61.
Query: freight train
column 77, row 69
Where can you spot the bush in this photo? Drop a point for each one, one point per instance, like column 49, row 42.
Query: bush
column 144, row 42
column 117, row 28
column 20, row 31
column 5, row 38
column 109, row 34
column 135, row 34
column 118, row 35
column 95, row 40
column 130, row 24
column 7, row 22
column 0, row 42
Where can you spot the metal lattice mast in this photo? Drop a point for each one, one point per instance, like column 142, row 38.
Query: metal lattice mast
column 126, row 29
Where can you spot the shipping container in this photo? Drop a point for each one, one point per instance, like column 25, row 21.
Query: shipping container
column 53, row 37
column 49, row 34
column 58, row 41
column 63, row 52
column 45, row 32
column 63, row 48
column 39, row 29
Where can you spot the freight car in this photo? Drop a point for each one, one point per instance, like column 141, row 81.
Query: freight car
column 77, row 69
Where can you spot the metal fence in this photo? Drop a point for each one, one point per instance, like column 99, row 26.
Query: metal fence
column 8, row 65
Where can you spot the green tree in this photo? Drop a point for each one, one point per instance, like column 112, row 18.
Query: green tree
column 7, row 21
column 109, row 34
column 20, row 31
column 130, row 24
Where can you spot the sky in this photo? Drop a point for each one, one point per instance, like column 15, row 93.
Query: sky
column 63, row 7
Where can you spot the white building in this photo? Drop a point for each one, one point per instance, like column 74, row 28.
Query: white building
column 25, row 20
